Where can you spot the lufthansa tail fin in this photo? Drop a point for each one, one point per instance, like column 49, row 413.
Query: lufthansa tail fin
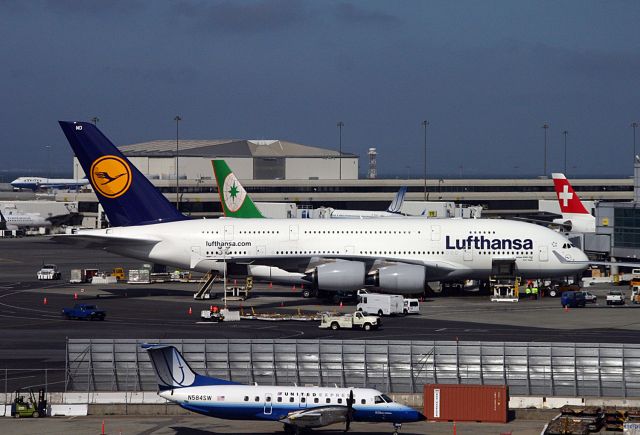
column 172, row 371
column 567, row 197
column 234, row 199
column 127, row 196
column 396, row 204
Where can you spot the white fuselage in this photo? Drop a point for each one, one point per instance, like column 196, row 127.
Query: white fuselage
column 15, row 220
column 449, row 248
column 35, row 183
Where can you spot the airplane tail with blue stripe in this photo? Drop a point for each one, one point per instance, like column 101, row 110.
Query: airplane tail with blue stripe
column 172, row 371
column 127, row 196
column 398, row 200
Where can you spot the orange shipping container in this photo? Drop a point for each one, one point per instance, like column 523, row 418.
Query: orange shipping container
column 484, row 403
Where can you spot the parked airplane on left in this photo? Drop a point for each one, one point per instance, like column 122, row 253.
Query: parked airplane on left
column 13, row 219
column 296, row 407
column 35, row 183
column 328, row 254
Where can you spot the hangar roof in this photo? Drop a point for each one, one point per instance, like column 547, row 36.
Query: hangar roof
column 227, row 148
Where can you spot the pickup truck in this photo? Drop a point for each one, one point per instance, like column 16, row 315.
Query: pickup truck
column 615, row 297
column 355, row 320
column 49, row 272
column 84, row 312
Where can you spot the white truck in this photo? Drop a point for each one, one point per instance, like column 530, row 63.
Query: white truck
column 49, row 272
column 380, row 304
column 349, row 321
column 615, row 297
column 411, row 306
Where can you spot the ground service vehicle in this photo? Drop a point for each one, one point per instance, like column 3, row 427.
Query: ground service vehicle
column 349, row 321
column 211, row 316
column 49, row 272
column 589, row 297
column 573, row 299
column 380, row 304
column 29, row 407
column 411, row 306
column 555, row 290
column 635, row 294
column 118, row 272
column 84, row 312
column 615, row 297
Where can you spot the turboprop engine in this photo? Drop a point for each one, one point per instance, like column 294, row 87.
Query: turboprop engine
column 398, row 277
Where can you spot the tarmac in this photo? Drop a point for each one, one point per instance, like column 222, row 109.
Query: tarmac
column 34, row 334
column 201, row 425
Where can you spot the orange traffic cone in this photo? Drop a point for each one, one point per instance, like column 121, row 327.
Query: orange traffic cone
column 282, row 303
column 44, row 302
column 75, row 295
column 566, row 308
column 190, row 311
column 454, row 428
column 340, row 304
column 293, row 288
column 270, row 285
column 102, row 427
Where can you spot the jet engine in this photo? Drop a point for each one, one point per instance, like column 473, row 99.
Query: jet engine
column 338, row 275
column 403, row 278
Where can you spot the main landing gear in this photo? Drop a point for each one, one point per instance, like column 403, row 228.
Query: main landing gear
column 396, row 428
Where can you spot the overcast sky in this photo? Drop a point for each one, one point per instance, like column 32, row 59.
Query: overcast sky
column 486, row 74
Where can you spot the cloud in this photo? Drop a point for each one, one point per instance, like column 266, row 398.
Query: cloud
column 242, row 16
column 353, row 14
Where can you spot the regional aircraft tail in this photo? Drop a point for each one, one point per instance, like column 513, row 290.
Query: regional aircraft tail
column 234, row 199
column 172, row 371
column 126, row 195
column 396, row 204
column 573, row 211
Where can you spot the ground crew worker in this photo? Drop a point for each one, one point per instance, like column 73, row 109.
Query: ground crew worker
column 528, row 291
column 534, row 292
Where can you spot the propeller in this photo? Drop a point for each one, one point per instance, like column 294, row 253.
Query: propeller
column 350, row 401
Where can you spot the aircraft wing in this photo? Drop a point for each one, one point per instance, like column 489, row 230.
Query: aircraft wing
column 543, row 222
column 564, row 260
column 317, row 417
column 101, row 241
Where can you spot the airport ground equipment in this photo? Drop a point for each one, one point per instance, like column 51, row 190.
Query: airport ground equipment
column 28, row 406
column 240, row 292
column 118, row 272
column 505, row 289
column 615, row 297
column 589, row 297
column 139, row 276
column 84, row 312
column 573, row 299
column 79, row 276
column 204, row 292
column 380, row 304
column 557, row 289
column 635, row 294
column 211, row 315
column 411, row 306
column 49, row 272
column 349, row 321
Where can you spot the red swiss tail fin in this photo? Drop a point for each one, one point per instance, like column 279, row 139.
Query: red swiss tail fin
column 567, row 197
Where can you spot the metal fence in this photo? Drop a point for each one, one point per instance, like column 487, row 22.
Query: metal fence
column 540, row 369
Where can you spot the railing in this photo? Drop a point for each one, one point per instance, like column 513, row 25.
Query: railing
column 547, row 369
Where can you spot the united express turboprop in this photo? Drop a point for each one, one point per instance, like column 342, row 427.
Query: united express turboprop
column 233, row 195
column 295, row 407
column 330, row 254
column 35, row 183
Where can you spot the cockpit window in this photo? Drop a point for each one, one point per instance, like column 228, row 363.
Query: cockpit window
column 386, row 398
column 378, row 399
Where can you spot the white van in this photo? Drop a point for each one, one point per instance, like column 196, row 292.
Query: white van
column 380, row 304
column 411, row 306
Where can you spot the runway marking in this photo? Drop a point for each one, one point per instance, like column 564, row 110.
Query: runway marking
column 441, row 329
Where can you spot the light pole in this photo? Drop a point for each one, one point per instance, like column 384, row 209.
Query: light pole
column 565, row 133
column 95, row 120
column 634, row 125
column 425, row 124
column 48, row 147
column 177, row 119
column 340, row 125
column 545, row 127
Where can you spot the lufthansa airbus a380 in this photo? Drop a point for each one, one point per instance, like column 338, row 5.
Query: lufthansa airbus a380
column 342, row 254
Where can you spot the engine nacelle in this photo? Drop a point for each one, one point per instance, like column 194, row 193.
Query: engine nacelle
column 339, row 275
column 403, row 278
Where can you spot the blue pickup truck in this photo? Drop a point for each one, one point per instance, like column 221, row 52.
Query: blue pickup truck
column 84, row 312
